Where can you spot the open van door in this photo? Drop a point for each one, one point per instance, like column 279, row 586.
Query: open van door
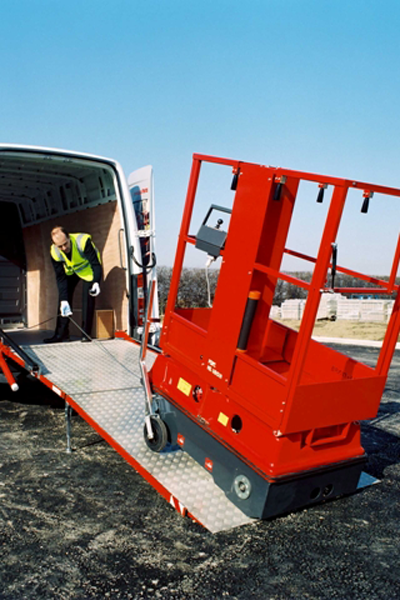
column 140, row 183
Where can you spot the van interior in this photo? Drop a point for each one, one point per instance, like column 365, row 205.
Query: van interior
column 39, row 191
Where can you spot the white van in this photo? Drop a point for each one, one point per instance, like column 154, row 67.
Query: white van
column 44, row 187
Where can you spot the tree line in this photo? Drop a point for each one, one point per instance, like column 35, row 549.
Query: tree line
column 193, row 291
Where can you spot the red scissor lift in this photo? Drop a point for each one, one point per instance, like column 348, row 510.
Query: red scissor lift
column 270, row 412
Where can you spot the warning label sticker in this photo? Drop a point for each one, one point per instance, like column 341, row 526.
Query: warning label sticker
column 184, row 387
column 223, row 419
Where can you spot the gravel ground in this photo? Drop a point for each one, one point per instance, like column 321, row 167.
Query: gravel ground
column 86, row 525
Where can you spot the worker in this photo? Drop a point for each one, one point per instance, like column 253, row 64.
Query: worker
column 75, row 258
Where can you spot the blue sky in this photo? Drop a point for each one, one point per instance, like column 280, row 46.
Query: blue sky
column 311, row 85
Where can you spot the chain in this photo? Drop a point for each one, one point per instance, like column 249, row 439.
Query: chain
column 81, row 330
column 41, row 323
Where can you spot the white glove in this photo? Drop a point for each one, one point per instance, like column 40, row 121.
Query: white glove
column 94, row 290
column 65, row 309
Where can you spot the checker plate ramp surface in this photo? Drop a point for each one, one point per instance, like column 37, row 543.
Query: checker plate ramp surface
column 103, row 378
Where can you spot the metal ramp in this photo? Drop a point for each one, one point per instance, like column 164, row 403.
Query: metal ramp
column 101, row 380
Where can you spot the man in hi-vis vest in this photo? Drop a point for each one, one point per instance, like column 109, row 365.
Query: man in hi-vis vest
column 75, row 258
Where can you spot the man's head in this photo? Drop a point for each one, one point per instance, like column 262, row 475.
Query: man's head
column 61, row 239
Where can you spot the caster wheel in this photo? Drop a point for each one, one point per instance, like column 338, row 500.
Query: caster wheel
column 160, row 431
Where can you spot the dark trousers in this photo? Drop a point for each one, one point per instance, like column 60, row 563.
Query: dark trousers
column 88, row 303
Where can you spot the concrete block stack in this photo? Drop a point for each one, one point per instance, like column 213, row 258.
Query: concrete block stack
column 337, row 306
column 373, row 311
column 292, row 309
column 389, row 309
column 275, row 312
column 328, row 306
column 348, row 309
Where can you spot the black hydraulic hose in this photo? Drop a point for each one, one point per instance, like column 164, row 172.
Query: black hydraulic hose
column 145, row 267
column 248, row 317
column 20, row 351
column 334, row 264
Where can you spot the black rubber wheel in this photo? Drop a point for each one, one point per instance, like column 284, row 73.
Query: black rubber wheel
column 160, row 432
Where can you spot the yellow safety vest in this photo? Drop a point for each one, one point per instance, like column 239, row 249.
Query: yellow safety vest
column 77, row 263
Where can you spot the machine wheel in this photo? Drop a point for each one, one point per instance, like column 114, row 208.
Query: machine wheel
column 160, row 432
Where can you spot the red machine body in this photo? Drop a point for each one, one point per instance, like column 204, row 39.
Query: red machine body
column 281, row 402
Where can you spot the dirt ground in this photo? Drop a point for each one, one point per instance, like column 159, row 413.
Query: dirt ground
column 86, row 525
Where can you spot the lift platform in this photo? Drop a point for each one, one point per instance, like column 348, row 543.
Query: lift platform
column 110, row 397
column 270, row 412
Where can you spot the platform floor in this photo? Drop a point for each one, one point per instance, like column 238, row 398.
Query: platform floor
column 103, row 378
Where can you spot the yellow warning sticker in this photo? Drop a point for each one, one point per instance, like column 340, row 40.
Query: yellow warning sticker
column 223, row 419
column 184, row 387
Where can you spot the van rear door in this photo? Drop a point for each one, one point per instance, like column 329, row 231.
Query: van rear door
column 141, row 187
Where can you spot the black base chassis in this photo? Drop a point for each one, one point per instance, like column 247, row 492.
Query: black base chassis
column 250, row 491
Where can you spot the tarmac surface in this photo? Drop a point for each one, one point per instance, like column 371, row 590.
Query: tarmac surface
column 86, row 525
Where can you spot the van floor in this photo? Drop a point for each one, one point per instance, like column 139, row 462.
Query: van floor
column 33, row 337
column 103, row 382
column 30, row 337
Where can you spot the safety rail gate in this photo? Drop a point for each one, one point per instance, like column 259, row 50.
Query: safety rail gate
column 109, row 396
